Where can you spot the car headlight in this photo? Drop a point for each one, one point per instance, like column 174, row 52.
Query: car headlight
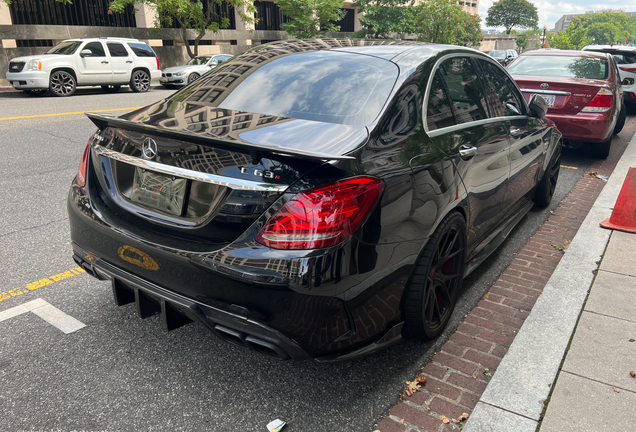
column 35, row 64
column 180, row 74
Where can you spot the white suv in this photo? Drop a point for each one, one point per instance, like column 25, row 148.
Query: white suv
column 107, row 62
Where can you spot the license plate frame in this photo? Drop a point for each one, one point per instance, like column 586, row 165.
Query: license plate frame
column 159, row 191
column 549, row 99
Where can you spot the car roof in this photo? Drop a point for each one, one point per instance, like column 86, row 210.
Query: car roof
column 385, row 49
column 120, row 39
column 564, row 53
column 611, row 48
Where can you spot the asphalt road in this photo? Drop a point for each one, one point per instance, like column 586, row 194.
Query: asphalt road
column 121, row 373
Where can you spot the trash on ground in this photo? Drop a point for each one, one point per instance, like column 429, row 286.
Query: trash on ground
column 633, row 374
column 276, row 425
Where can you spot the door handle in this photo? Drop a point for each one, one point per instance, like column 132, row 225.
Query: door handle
column 515, row 132
column 466, row 151
column 128, row 61
column 104, row 62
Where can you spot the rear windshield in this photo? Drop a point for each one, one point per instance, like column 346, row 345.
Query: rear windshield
column 327, row 86
column 624, row 58
column 497, row 54
column 574, row 67
column 66, row 48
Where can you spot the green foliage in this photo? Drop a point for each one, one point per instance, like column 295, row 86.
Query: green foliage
column 522, row 42
column 600, row 28
column 606, row 33
column 513, row 13
column 191, row 14
column 381, row 18
column 443, row 21
column 311, row 18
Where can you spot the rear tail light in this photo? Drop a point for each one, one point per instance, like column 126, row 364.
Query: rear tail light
column 602, row 102
column 157, row 58
column 323, row 216
column 81, row 174
column 631, row 95
column 627, row 69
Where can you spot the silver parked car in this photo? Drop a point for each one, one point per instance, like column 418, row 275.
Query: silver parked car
column 192, row 70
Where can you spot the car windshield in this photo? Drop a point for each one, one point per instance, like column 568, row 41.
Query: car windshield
column 325, row 86
column 560, row 66
column 198, row 61
column 497, row 54
column 66, row 48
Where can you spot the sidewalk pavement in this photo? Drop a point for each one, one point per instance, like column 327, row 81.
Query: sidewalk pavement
column 594, row 390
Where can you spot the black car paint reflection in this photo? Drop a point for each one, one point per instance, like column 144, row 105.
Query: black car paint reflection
column 334, row 303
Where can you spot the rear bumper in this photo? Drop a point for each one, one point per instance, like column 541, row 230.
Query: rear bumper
column 29, row 80
column 588, row 127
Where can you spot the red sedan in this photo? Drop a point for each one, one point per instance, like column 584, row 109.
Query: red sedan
column 582, row 90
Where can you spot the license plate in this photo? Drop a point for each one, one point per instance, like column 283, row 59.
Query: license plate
column 548, row 98
column 158, row 191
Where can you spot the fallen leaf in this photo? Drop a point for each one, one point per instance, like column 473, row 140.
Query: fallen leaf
column 633, row 374
column 421, row 379
column 402, row 421
column 408, row 392
column 615, row 389
column 445, row 419
column 487, row 372
column 412, row 387
column 566, row 244
column 463, row 417
column 455, row 420
column 428, row 407
column 474, row 377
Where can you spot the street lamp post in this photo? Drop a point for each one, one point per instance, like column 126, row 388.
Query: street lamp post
column 543, row 41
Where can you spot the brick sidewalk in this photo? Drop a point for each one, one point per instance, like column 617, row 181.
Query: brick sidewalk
column 456, row 375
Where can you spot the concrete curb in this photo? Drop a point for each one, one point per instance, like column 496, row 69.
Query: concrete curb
column 524, row 378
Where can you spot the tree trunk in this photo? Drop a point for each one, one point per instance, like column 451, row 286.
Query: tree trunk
column 184, row 33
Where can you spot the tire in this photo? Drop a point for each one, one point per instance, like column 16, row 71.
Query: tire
column 193, row 77
column 601, row 150
column 140, row 81
column 545, row 189
column 622, row 116
column 111, row 88
column 62, row 84
column 39, row 92
column 434, row 286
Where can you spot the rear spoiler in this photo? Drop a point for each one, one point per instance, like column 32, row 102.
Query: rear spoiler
column 256, row 151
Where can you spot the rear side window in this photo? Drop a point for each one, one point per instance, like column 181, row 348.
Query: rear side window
column 97, row 49
column 501, row 91
column 464, row 89
column 438, row 110
column 332, row 87
column 624, row 58
column 561, row 66
column 141, row 49
column 116, row 49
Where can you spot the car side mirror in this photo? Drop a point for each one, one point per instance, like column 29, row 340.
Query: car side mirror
column 538, row 106
column 86, row 53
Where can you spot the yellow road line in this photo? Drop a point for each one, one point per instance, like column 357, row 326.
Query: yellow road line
column 565, row 166
column 68, row 113
column 6, row 295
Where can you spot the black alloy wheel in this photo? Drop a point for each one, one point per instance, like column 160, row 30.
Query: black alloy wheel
column 546, row 187
column 62, row 83
column 193, row 77
column 111, row 88
column 436, row 282
column 39, row 92
column 140, row 81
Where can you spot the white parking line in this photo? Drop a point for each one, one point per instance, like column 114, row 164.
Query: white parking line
column 47, row 312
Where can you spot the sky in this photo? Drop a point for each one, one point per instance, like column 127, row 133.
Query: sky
column 551, row 11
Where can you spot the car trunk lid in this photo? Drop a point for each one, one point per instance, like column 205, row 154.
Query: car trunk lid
column 566, row 95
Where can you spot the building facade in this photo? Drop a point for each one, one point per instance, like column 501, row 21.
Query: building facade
column 563, row 22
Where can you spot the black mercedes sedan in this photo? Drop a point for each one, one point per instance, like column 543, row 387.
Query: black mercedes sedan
column 313, row 198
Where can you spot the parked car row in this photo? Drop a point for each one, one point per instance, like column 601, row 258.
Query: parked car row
column 108, row 62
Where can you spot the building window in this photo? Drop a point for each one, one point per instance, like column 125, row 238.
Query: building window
column 94, row 13
column 167, row 42
column 28, row 43
column 269, row 16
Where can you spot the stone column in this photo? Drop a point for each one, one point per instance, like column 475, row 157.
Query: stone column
column 145, row 18
column 240, row 25
column 5, row 19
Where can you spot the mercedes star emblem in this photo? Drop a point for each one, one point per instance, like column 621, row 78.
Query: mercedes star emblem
column 545, row 86
column 149, row 149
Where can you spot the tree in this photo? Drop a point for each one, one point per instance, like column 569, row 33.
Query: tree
column 522, row 42
column 311, row 18
column 198, row 15
column 443, row 21
column 513, row 13
column 606, row 33
column 381, row 18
